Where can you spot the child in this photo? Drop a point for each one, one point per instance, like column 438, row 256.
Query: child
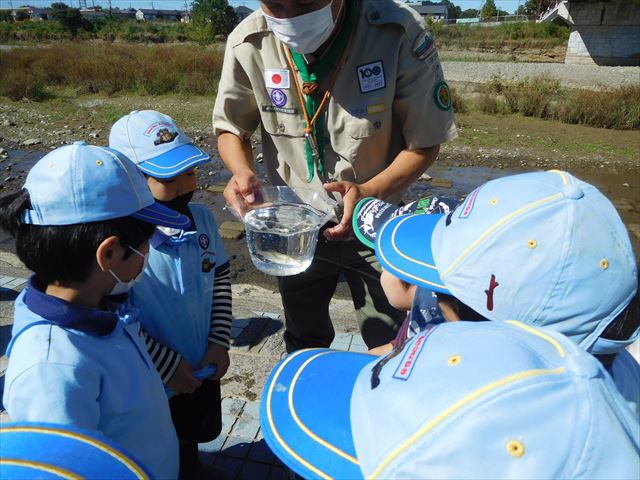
column 424, row 306
column 461, row 400
column 185, row 292
column 544, row 248
column 77, row 358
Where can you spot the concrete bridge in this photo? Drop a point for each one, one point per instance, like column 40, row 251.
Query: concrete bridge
column 604, row 32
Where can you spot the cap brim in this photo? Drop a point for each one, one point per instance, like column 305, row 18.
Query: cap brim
column 305, row 412
column 158, row 214
column 403, row 247
column 174, row 162
column 40, row 450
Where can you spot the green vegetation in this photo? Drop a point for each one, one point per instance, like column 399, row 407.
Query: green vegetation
column 511, row 35
column 108, row 68
column 543, row 97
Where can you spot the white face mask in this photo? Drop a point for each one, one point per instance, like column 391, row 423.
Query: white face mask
column 304, row 33
column 122, row 287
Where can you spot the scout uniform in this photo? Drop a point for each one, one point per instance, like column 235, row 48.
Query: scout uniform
column 387, row 94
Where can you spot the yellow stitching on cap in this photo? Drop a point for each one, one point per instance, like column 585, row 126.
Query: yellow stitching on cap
column 563, row 175
column 42, row 467
column 275, row 430
column 540, row 334
column 302, row 426
column 493, row 201
column 532, row 244
column 457, row 406
column 85, row 439
column 515, row 448
column 604, row 264
column 495, row 226
column 381, row 254
column 454, row 360
column 99, row 163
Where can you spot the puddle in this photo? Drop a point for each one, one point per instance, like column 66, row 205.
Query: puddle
column 463, row 180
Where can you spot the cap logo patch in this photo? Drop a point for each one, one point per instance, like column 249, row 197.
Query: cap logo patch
column 203, row 240
column 155, row 126
column 492, row 286
column 468, row 204
column 403, row 372
column 165, row 136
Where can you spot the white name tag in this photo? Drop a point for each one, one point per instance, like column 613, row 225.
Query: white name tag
column 276, row 78
column 371, row 77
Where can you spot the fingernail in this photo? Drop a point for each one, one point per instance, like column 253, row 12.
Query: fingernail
column 250, row 198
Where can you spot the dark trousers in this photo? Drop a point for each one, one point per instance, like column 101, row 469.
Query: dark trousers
column 306, row 297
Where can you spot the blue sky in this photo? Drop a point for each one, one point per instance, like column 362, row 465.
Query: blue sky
column 508, row 5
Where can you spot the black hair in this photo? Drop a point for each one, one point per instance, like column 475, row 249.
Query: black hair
column 624, row 325
column 65, row 252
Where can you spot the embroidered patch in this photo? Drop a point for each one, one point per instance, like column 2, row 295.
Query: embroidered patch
column 278, row 97
column 371, row 77
column 156, row 125
column 468, row 204
column 164, row 136
column 206, row 265
column 276, row 78
column 377, row 108
column 273, row 108
column 442, row 96
column 492, row 286
column 203, row 240
column 424, row 46
column 405, row 367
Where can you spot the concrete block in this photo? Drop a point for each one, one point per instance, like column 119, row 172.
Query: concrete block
column 251, row 410
column 232, row 406
column 246, row 429
column 236, row 447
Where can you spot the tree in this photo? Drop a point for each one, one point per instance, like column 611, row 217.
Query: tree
column 488, row 9
column 535, row 7
column 68, row 17
column 215, row 15
column 469, row 13
column 454, row 11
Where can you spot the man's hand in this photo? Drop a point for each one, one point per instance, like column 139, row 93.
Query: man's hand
column 351, row 193
column 219, row 356
column 242, row 191
column 183, row 380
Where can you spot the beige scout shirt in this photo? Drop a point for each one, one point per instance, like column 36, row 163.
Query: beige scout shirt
column 385, row 98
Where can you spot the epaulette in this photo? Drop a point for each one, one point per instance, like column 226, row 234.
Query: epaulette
column 255, row 23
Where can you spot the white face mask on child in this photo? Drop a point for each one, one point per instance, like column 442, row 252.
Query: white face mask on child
column 304, row 33
column 122, row 287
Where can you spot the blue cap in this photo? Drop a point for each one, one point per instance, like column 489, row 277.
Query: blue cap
column 42, row 450
column 461, row 400
column 82, row 183
column 543, row 247
column 153, row 141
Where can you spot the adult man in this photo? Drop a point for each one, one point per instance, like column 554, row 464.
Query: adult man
column 351, row 100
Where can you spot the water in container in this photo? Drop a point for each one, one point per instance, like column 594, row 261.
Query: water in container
column 282, row 238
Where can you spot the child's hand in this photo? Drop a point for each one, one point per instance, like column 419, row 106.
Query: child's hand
column 183, row 380
column 219, row 356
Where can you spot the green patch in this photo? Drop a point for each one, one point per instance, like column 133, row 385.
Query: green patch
column 442, row 96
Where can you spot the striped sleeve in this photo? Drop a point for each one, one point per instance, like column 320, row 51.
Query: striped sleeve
column 221, row 317
column 165, row 360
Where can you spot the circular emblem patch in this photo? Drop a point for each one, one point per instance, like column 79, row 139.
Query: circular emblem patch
column 203, row 240
column 278, row 97
column 442, row 96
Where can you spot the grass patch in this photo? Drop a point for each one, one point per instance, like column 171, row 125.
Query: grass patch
column 543, row 97
column 108, row 68
column 511, row 35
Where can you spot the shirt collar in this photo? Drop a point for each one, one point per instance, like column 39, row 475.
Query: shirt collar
column 68, row 315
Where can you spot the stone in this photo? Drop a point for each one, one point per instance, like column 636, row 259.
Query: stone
column 425, row 177
column 441, row 183
column 31, row 141
column 231, row 230
column 259, row 158
column 217, row 188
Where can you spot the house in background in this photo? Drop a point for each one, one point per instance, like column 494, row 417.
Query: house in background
column 437, row 12
column 143, row 14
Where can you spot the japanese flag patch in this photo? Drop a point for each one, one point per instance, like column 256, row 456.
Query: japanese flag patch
column 276, row 78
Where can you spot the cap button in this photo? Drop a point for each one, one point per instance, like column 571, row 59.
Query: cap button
column 80, row 142
column 573, row 192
